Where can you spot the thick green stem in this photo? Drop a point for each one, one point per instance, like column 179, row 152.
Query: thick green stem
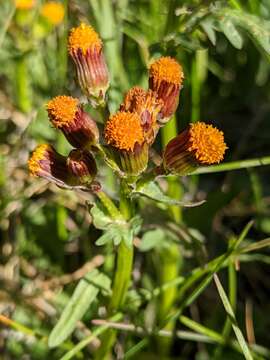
column 170, row 257
column 121, row 278
column 198, row 76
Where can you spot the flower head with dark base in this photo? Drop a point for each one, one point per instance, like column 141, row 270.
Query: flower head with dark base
column 147, row 105
column 124, row 134
column 85, row 48
column 66, row 114
column 200, row 144
column 45, row 162
column 165, row 78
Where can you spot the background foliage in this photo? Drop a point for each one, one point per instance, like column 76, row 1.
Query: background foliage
column 47, row 238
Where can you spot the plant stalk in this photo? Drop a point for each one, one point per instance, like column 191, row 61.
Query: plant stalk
column 121, row 279
column 170, row 257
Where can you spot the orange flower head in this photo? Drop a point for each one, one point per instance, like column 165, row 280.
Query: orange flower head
column 123, row 130
column 62, row 110
column 147, row 105
column 207, row 143
column 165, row 78
column 53, row 11
column 85, row 48
column 39, row 154
column 24, row 4
column 166, row 69
column 199, row 144
column 83, row 37
column 66, row 114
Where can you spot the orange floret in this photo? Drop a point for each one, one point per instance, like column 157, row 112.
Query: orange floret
column 134, row 98
column 40, row 153
column 123, row 130
column 53, row 11
column 24, row 4
column 207, row 143
column 62, row 110
column 167, row 69
column 83, row 37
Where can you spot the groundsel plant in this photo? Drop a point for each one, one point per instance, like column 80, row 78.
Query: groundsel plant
column 124, row 144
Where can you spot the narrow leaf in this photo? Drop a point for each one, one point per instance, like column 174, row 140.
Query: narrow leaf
column 83, row 296
column 230, row 313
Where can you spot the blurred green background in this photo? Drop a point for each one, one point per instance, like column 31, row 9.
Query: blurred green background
column 45, row 232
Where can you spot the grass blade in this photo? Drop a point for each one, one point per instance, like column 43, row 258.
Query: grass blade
column 230, row 313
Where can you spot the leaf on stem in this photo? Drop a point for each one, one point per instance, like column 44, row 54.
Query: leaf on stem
column 114, row 230
column 153, row 191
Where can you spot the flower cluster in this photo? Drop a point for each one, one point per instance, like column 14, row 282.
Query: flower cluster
column 130, row 132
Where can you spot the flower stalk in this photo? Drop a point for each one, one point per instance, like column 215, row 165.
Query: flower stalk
column 122, row 276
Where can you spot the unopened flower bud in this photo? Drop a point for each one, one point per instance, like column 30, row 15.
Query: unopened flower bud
column 200, row 144
column 82, row 167
column 85, row 48
column 165, row 78
column 45, row 162
column 147, row 105
column 66, row 114
column 124, row 134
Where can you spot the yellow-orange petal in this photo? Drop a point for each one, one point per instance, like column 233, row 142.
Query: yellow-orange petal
column 123, row 130
column 40, row 153
column 207, row 143
column 62, row 109
column 167, row 69
column 53, row 11
column 83, row 37
column 24, row 4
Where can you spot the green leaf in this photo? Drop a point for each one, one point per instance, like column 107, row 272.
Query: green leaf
column 231, row 33
column 208, row 27
column 85, row 293
column 256, row 27
column 152, row 239
column 230, row 313
column 120, row 230
column 113, row 233
column 100, row 219
column 153, row 191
